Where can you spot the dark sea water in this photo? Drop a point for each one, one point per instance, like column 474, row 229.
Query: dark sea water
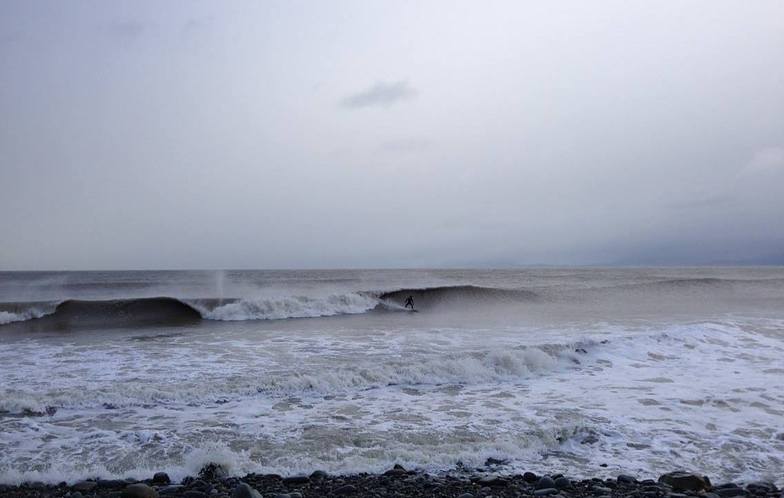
column 117, row 374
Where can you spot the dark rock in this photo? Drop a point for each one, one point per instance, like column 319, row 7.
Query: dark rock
column 139, row 490
column 296, row 480
column 760, row 487
column 243, row 490
column 729, row 492
column 346, row 490
column 563, row 483
column 601, row 491
column 319, row 474
column 466, row 495
column 111, row 483
column 85, row 486
column 171, row 489
column 602, row 465
column 545, row 482
column 676, row 495
column 199, row 484
column 397, row 470
column 495, row 461
column 625, row 479
column 492, row 481
column 192, row 493
column 530, row 477
column 545, row 492
column 213, row 471
column 684, row 481
column 161, row 478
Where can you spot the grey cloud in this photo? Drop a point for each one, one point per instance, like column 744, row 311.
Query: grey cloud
column 126, row 28
column 413, row 144
column 709, row 201
column 271, row 136
column 381, row 94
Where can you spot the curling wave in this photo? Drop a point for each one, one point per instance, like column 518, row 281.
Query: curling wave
column 170, row 311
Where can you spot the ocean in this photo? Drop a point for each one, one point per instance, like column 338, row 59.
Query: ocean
column 585, row 371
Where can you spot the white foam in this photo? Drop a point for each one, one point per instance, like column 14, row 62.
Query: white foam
column 701, row 396
column 21, row 316
column 291, row 307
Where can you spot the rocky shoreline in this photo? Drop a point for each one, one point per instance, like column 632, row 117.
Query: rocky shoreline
column 213, row 482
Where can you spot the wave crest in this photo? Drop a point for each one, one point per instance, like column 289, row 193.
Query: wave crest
column 289, row 307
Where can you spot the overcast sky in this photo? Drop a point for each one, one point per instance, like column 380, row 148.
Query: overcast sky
column 382, row 134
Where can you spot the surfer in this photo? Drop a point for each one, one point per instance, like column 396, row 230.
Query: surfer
column 410, row 302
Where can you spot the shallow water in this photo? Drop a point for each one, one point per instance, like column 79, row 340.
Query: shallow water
column 644, row 370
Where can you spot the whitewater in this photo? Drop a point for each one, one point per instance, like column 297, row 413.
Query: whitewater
column 585, row 371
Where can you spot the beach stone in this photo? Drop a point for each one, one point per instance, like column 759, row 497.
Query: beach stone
column 198, row 483
column 296, row 480
column 563, row 483
column 85, row 486
column 161, row 478
column 684, row 481
column 601, row 491
column 545, row 492
column 495, row 461
column 111, row 483
column 192, row 493
column 729, row 492
column 397, row 470
column 213, row 471
column 466, row 495
column 345, row 490
column 493, row 481
column 545, row 482
column 295, row 494
column 75, row 494
column 318, row 474
column 139, row 490
column 626, row 479
column 530, row 477
column 243, row 490
column 759, row 487
column 171, row 489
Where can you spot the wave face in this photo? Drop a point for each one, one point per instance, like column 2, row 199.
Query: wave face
column 169, row 311
column 89, row 315
column 459, row 294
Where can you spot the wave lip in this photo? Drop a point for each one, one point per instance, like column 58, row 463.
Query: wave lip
column 289, row 307
column 427, row 297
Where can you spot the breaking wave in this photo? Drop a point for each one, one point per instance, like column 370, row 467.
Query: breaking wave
column 288, row 307
column 89, row 314
column 456, row 369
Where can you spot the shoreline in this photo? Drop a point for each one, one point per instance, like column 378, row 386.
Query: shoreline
column 213, row 482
